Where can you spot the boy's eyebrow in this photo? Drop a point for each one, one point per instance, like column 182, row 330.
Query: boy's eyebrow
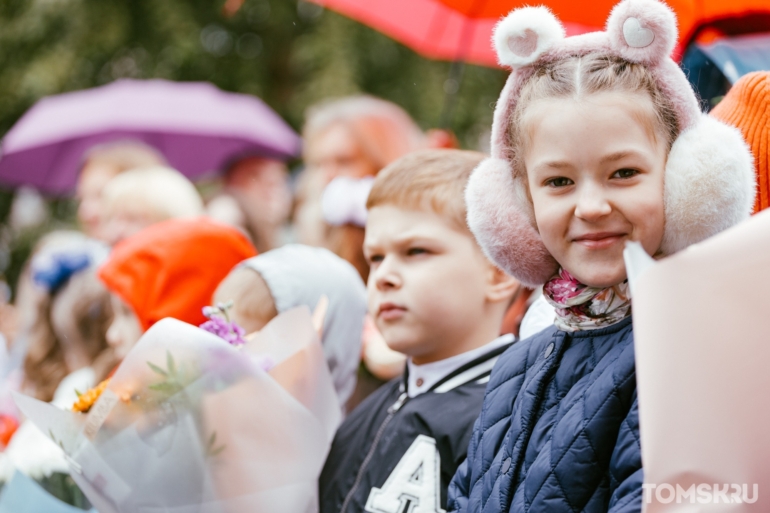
column 407, row 238
column 401, row 240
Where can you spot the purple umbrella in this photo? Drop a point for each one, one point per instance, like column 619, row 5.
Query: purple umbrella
column 196, row 126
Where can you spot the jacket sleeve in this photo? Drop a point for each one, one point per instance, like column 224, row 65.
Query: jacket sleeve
column 460, row 487
column 626, row 473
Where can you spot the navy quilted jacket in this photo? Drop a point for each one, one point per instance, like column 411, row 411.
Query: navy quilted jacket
column 558, row 430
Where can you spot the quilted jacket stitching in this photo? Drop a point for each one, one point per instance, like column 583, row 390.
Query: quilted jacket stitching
column 548, row 367
column 566, row 450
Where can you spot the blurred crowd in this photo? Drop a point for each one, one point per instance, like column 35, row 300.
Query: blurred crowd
column 58, row 324
column 267, row 235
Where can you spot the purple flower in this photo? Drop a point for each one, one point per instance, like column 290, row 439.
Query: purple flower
column 226, row 330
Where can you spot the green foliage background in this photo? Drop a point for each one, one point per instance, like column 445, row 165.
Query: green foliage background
column 290, row 53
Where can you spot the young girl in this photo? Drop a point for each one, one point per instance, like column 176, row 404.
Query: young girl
column 65, row 331
column 597, row 140
column 170, row 269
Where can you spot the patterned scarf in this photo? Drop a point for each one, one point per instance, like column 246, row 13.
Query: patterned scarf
column 580, row 307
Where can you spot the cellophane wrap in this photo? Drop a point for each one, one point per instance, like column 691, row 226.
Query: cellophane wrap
column 191, row 424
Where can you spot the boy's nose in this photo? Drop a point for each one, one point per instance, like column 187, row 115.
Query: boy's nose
column 386, row 276
column 592, row 202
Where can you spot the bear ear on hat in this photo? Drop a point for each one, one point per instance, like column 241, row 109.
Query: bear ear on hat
column 642, row 31
column 524, row 35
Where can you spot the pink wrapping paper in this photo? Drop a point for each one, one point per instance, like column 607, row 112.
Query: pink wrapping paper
column 702, row 340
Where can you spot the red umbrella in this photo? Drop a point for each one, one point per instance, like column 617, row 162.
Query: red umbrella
column 462, row 29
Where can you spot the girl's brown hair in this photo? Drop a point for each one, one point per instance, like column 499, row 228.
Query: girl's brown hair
column 66, row 327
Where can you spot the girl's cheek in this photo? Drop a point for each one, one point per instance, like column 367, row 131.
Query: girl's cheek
column 648, row 219
column 550, row 216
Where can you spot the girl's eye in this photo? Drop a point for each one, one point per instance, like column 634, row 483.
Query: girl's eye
column 625, row 173
column 559, row 181
column 374, row 259
column 416, row 251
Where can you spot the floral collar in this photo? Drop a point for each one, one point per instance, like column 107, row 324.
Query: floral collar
column 580, row 307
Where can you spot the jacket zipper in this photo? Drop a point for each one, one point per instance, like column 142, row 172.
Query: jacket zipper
column 391, row 413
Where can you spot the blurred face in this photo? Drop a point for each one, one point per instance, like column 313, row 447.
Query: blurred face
column 336, row 152
column 92, row 180
column 263, row 187
column 595, row 175
column 123, row 221
column 428, row 283
column 125, row 330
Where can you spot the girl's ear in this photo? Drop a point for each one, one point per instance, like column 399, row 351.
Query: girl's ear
column 642, row 31
column 524, row 35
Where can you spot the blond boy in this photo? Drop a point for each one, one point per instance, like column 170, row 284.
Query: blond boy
column 437, row 299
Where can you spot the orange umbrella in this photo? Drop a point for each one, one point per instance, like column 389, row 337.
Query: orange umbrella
column 462, row 29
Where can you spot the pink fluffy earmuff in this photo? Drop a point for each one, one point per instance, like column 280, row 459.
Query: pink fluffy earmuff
column 709, row 177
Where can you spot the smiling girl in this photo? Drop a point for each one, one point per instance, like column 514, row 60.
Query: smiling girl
column 597, row 141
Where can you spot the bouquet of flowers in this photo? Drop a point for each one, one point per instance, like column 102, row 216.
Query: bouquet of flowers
column 194, row 423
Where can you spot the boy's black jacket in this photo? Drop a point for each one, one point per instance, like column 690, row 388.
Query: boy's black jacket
column 426, row 437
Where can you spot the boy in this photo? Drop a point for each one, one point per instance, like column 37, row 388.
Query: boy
column 437, row 299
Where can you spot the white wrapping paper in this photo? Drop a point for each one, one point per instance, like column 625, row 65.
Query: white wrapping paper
column 190, row 424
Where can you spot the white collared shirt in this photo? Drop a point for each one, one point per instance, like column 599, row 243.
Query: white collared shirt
column 421, row 378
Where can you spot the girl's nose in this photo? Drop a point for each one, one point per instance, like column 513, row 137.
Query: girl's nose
column 386, row 276
column 592, row 202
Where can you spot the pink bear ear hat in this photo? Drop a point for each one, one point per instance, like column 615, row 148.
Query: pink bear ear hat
column 709, row 180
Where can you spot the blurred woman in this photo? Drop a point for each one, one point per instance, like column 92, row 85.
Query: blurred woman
column 261, row 192
column 350, row 138
column 141, row 197
column 101, row 164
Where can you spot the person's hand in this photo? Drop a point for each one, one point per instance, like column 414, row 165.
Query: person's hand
column 381, row 360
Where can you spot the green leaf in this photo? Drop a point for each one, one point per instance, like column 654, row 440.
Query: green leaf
column 212, row 439
column 78, row 393
column 217, row 451
column 170, row 364
column 170, row 388
column 157, row 369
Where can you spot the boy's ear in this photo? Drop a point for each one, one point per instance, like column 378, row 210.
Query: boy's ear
column 502, row 286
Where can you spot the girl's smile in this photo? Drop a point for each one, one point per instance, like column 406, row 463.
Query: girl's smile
column 599, row 240
column 595, row 170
